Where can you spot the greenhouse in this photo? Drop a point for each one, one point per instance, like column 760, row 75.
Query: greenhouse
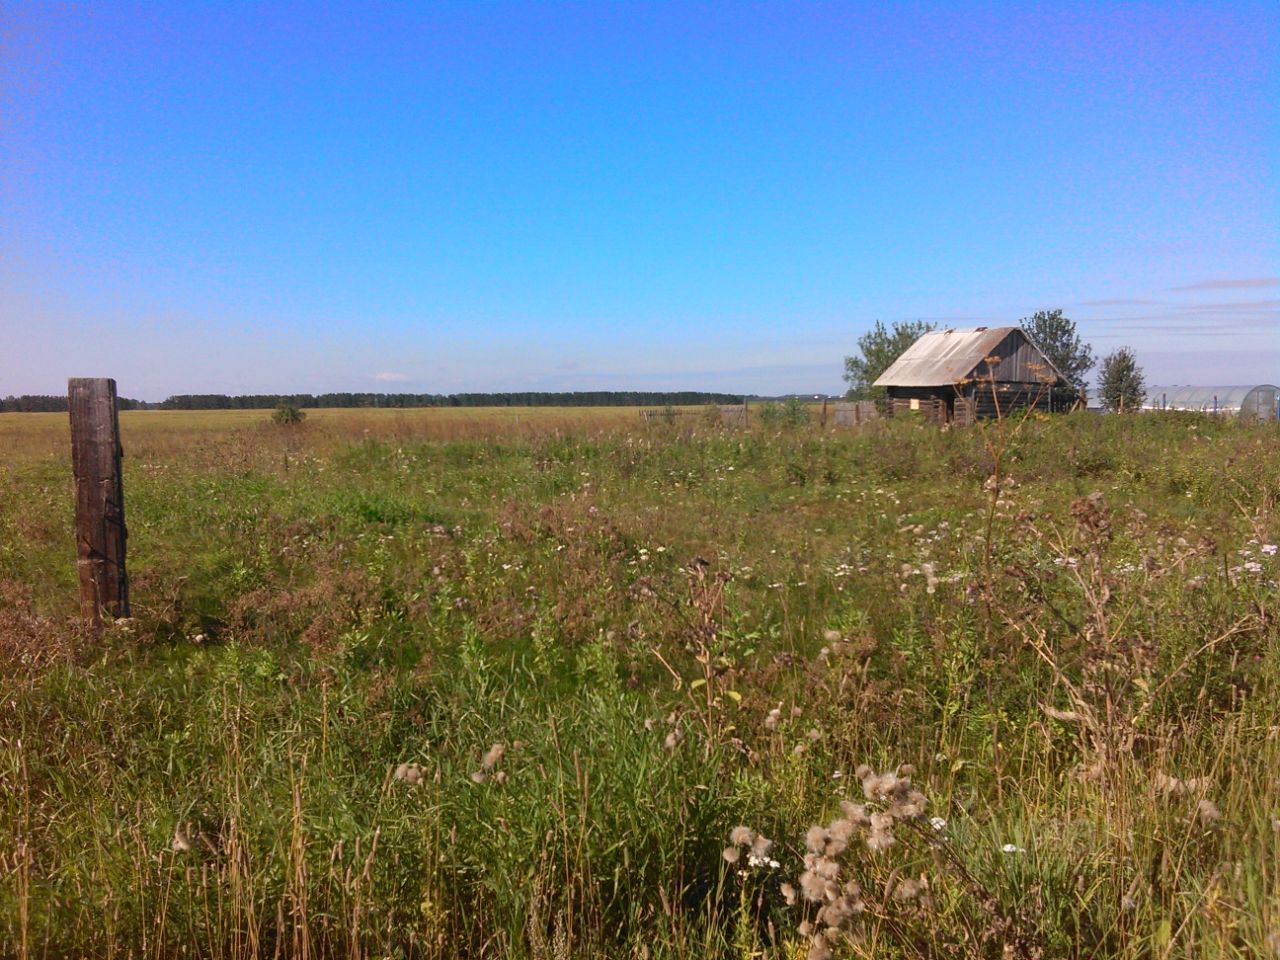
column 1256, row 402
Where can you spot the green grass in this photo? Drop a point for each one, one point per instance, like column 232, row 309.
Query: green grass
column 624, row 607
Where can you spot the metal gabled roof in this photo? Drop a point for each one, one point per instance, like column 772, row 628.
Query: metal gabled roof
column 944, row 357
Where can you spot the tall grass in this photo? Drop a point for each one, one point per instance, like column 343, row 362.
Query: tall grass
column 399, row 690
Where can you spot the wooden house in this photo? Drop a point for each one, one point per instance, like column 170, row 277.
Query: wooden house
column 963, row 375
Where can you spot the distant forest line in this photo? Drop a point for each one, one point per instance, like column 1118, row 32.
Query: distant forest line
column 268, row 401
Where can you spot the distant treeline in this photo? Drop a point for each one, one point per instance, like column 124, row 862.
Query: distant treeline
column 268, row 401
column 39, row 403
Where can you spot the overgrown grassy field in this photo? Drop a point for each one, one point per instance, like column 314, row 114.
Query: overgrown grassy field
column 440, row 684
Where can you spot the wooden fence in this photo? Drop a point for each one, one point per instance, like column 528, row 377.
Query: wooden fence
column 855, row 412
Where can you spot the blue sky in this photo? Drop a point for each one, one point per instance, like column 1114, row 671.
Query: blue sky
column 236, row 198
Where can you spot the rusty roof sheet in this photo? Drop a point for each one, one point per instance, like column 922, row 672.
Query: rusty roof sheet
column 943, row 357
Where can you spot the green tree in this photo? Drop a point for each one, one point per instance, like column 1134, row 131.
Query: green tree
column 1121, row 385
column 877, row 349
column 1056, row 336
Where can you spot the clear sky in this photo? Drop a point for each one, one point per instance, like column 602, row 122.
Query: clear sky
column 231, row 197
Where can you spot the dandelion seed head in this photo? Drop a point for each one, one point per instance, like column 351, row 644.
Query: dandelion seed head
column 841, row 830
column 856, row 813
column 409, row 773
column 731, row 854
column 815, row 838
column 742, row 836
column 910, row 889
column 837, row 913
column 908, row 807
column 819, row 949
column 493, row 756
column 1208, row 812
column 812, row 886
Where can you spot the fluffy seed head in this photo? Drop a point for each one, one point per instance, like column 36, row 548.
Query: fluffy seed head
column 815, row 838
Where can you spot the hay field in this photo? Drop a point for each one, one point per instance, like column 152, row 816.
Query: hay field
column 557, row 683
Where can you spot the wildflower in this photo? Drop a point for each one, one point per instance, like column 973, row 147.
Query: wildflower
column 788, row 894
column 673, row 739
column 838, row 912
column 1066, row 716
column 938, row 824
column 881, row 835
column 774, row 718
column 879, row 787
column 494, row 754
column 742, row 836
column 479, row 777
column 731, row 854
column 1269, row 549
column 1176, row 787
column 812, row 886
column 410, row 773
column 1012, row 848
column 856, row 813
column 1208, row 813
column 930, row 578
column 761, row 846
column 839, row 833
column 907, row 806
column 910, row 889
column 816, row 838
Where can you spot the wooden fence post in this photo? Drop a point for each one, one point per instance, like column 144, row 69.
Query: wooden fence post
column 100, row 528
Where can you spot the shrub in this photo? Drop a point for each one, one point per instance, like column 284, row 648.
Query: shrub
column 792, row 412
column 286, row 414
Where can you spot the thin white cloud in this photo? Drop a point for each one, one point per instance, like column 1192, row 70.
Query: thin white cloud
column 391, row 377
column 1238, row 283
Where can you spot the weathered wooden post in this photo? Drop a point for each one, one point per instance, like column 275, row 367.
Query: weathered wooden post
column 100, row 529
